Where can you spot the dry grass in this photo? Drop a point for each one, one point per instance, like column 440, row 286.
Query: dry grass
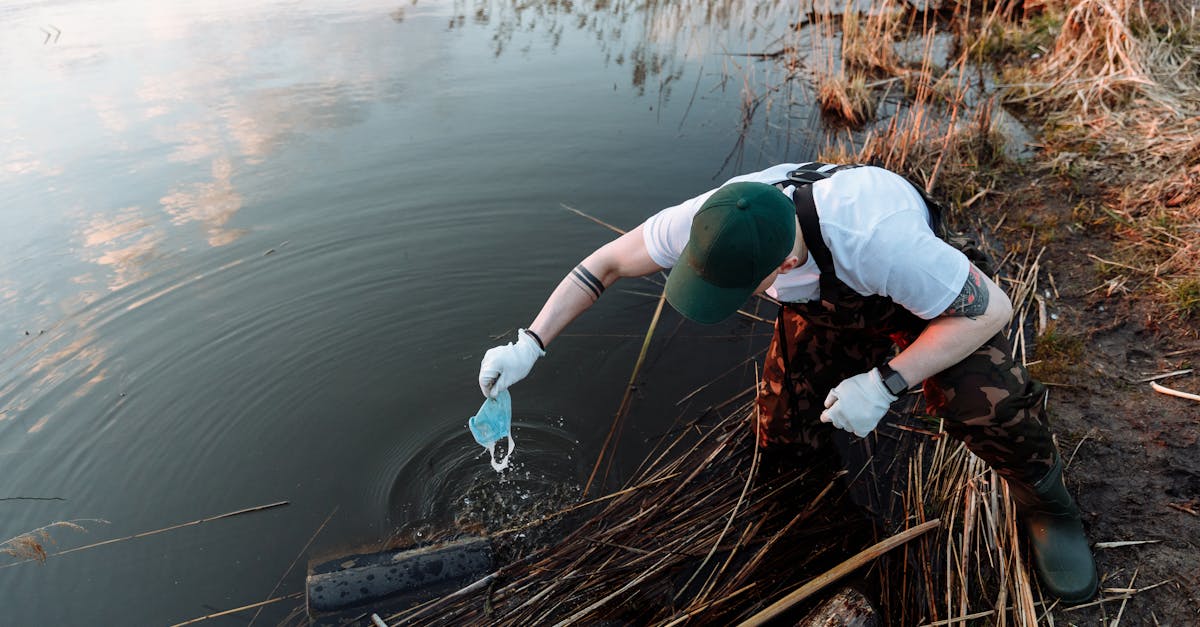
column 1120, row 93
column 1096, row 63
column 939, row 136
column 857, row 60
column 867, row 39
column 32, row 545
column 846, row 102
column 710, row 535
column 1115, row 84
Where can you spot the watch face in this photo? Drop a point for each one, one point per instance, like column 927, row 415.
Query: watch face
column 893, row 381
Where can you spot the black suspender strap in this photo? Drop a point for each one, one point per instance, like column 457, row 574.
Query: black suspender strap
column 802, row 179
column 810, row 230
column 936, row 210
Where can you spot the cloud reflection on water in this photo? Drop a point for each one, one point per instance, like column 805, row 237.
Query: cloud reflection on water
column 123, row 243
column 211, row 204
column 137, row 109
column 203, row 86
column 220, row 106
column 22, row 162
column 184, row 105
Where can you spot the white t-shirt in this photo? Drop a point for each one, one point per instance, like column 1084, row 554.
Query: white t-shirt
column 877, row 229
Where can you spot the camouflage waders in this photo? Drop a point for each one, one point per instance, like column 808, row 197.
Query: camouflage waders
column 986, row 400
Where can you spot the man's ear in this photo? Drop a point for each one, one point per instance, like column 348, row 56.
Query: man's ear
column 791, row 262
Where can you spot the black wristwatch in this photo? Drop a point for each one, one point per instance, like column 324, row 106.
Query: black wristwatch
column 892, row 380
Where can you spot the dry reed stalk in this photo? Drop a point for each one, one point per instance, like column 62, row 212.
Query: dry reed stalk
column 697, row 610
column 732, row 515
column 867, row 39
column 1120, row 597
column 1023, row 288
column 260, row 604
column 721, row 376
column 617, row 230
column 841, row 570
column 615, row 429
column 143, row 534
column 31, row 545
column 303, row 550
column 1162, row 389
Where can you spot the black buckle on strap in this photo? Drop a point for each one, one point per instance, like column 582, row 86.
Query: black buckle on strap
column 807, row 174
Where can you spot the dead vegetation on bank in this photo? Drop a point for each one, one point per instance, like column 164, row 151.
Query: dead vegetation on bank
column 1111, row 87
column 711, row 533
column 1120, row 96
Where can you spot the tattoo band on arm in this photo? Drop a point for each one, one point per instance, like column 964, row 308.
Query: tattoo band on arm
column 587, row 281
column 972, row 301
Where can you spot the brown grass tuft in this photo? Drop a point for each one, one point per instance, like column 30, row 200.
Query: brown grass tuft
column 1096, row 60
column 845, row 102
column 1120, row 96
column 31, row 545
column 867, row 39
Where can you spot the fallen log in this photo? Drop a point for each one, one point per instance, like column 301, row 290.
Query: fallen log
column 847, row 608
column 398, row 578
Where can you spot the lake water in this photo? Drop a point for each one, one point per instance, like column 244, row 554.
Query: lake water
column 253, row 252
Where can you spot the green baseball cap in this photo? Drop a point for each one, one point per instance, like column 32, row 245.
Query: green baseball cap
column 740, row 235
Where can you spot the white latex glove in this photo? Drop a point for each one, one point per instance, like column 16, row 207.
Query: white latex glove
column 505, row 365
column 858, row 403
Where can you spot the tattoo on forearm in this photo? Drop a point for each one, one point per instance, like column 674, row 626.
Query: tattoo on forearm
column 972, row 301
column 587, row 281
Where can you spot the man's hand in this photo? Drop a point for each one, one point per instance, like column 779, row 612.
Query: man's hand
column 857, row 404
column 505, row 365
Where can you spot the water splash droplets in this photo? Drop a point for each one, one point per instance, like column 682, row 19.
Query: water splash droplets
column 507, row 456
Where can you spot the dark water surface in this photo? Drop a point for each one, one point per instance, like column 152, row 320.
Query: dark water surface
column 253, row 252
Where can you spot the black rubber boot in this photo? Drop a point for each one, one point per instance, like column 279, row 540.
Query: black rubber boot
column 1060, row 548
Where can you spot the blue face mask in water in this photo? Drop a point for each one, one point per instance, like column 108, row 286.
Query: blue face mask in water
column 492, row 424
